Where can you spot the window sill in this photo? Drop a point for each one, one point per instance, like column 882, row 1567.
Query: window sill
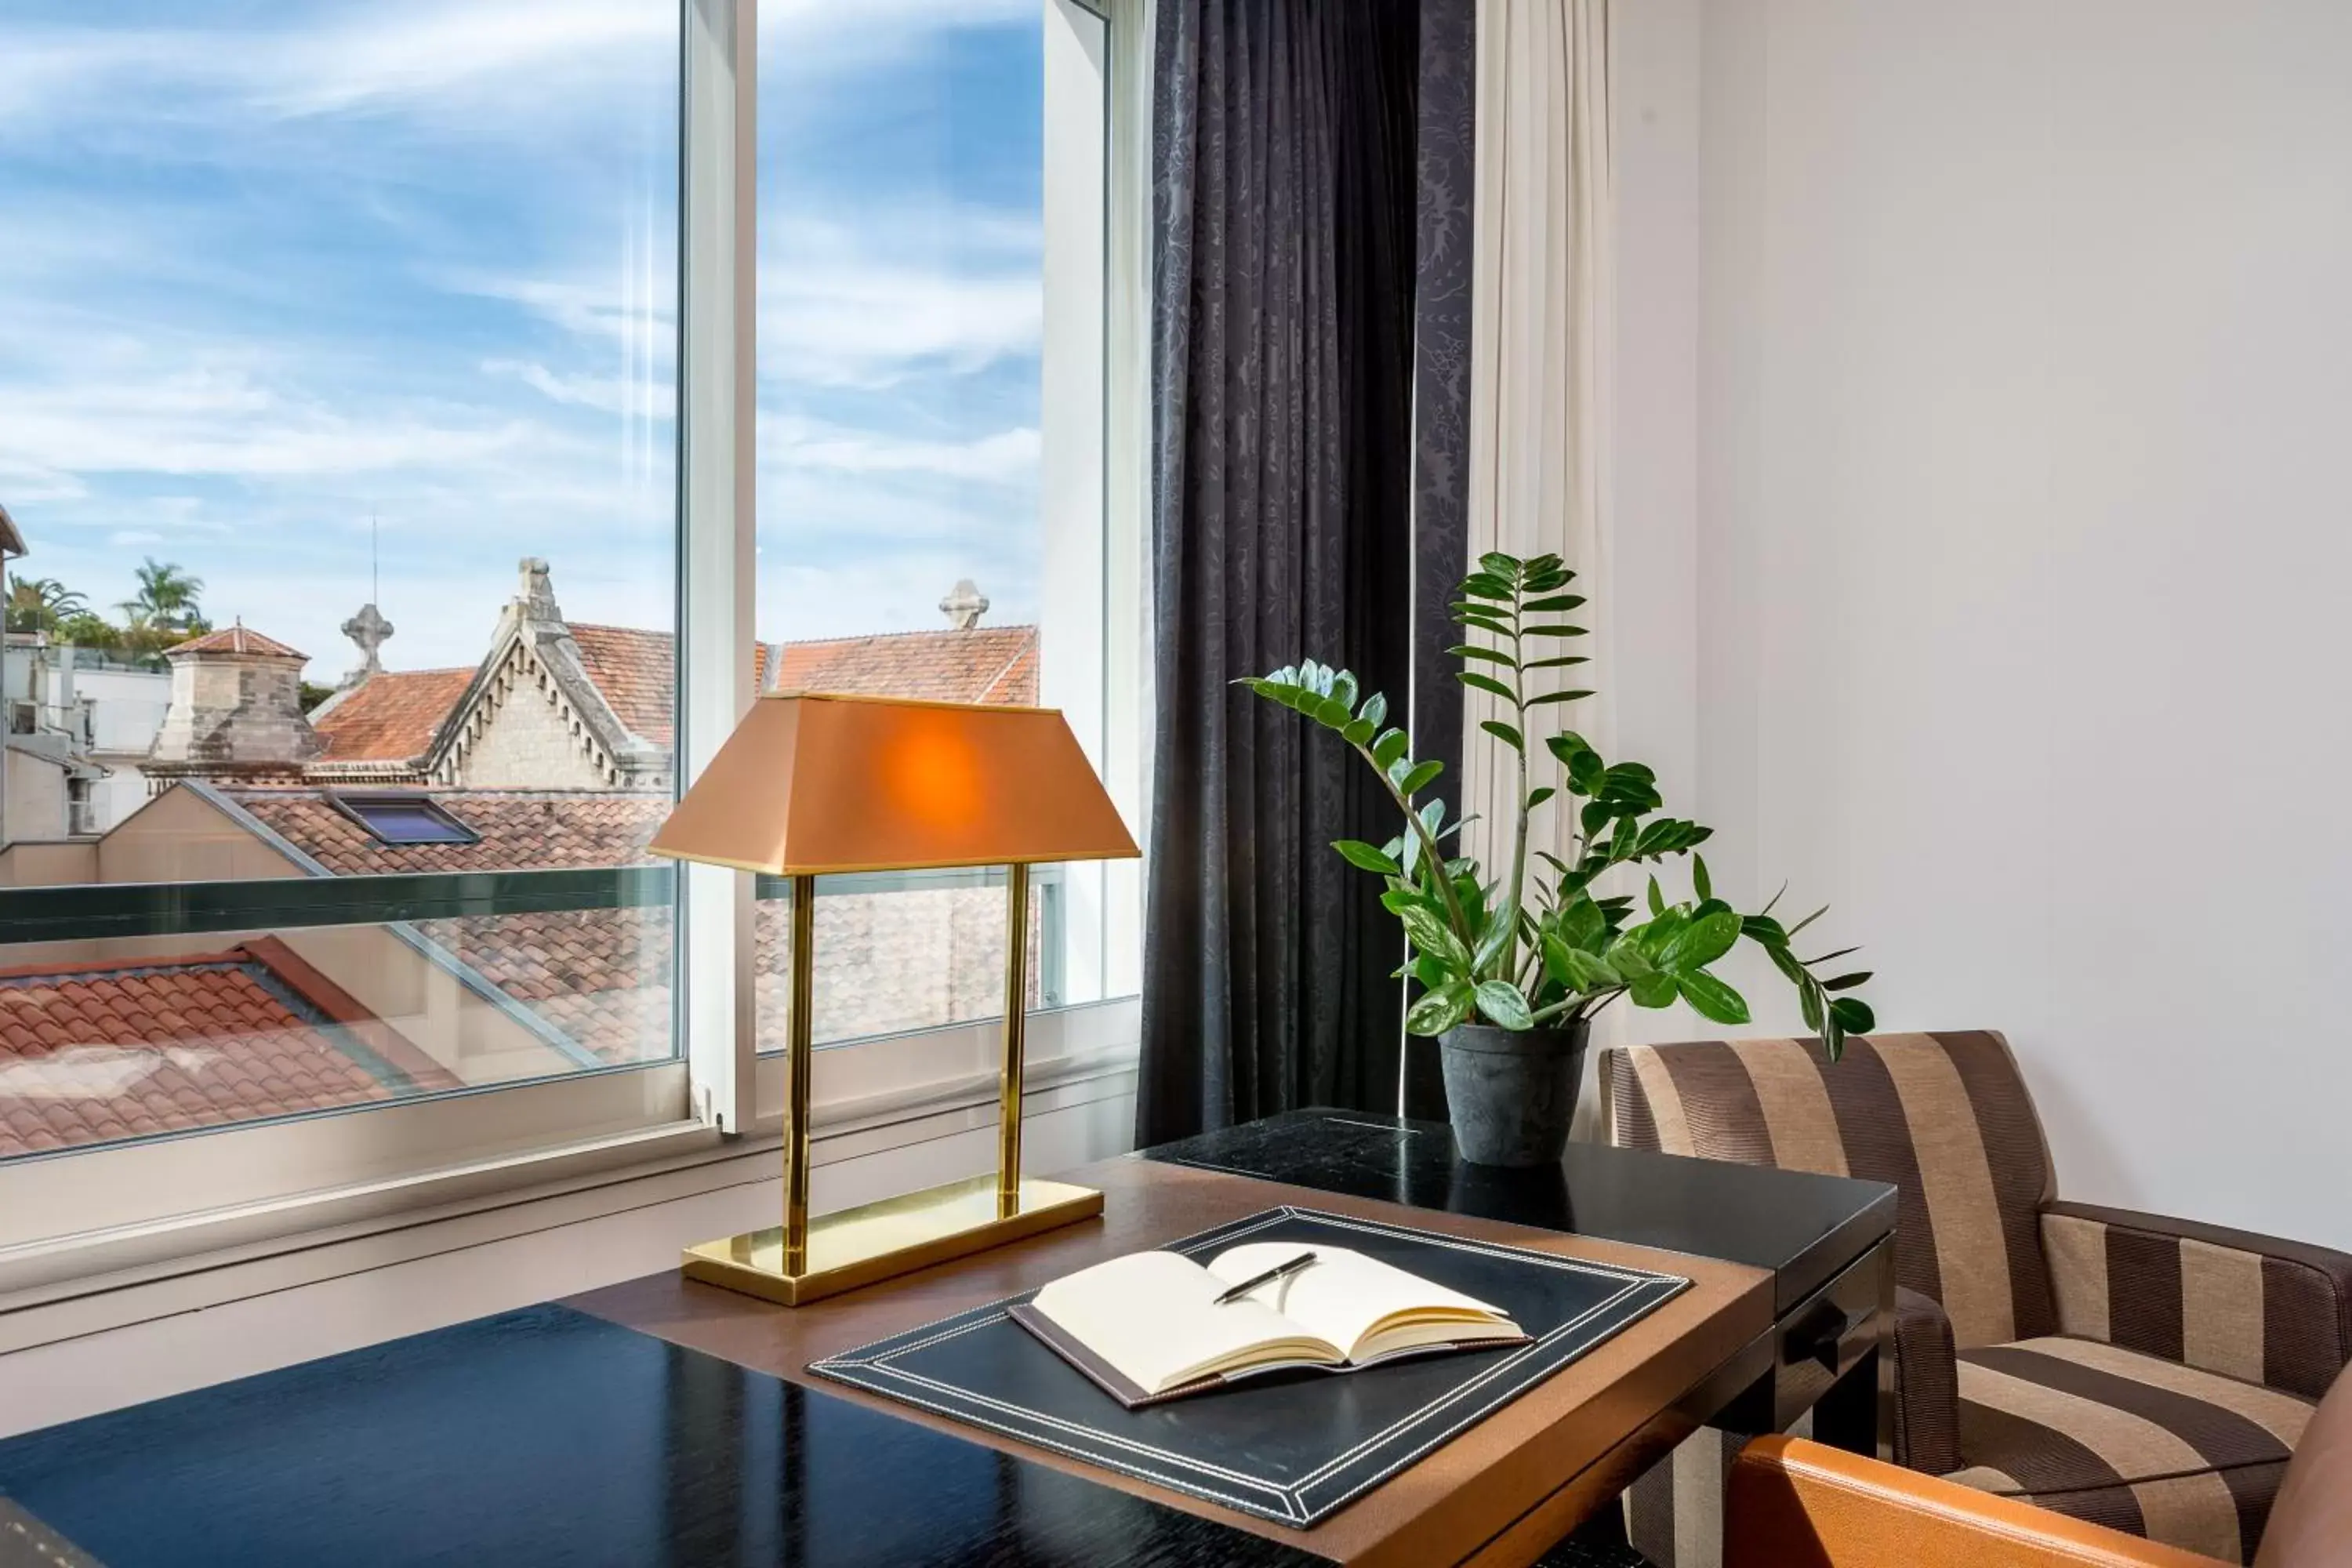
column 111, row 1279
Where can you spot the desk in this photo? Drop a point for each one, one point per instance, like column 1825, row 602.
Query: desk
column 639, row 1424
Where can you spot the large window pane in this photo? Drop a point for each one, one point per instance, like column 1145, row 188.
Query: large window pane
column 929, row 435
column 337, row 363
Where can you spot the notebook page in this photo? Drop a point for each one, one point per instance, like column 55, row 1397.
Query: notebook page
column 1341, row 1294
column 1152, row 1316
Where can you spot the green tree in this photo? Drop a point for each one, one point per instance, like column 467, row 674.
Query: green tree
column 167, row 599
column 84, row 630
column 39, row 604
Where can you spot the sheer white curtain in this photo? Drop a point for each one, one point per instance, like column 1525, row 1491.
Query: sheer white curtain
column 1539, row 355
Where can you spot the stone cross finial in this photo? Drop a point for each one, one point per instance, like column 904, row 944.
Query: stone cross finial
column 964, row 605
column 368, row 629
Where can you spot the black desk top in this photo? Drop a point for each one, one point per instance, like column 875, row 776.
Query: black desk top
column 1805, row 1228
column 548, row 1437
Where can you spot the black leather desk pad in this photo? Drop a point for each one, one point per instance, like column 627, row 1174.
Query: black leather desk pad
column 1287, row 1447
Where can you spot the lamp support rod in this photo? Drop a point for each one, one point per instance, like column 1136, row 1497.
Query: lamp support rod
column 1016, row 1028
column 801, row 1053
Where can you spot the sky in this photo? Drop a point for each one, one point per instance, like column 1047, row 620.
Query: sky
column 294, row 291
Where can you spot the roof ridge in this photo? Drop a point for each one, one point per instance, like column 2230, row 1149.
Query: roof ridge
column 812, row 642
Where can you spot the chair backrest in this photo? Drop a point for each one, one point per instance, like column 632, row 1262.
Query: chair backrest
column 1946, row 1118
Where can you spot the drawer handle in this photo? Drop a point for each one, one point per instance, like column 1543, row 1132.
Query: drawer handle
column 1820, row 1334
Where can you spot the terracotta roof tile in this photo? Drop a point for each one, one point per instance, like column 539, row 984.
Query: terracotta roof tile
column 97, row 1052
column 238, row 638
column 519, row 828
column 391, row 716
column 635, row 671
column 985, row 664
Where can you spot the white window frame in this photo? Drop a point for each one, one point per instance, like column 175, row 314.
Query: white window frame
column 78, row 1226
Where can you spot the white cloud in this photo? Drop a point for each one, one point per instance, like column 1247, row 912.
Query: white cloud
column 1004, row 457
column 627, row 396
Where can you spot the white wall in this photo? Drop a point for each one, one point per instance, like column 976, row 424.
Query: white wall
column 2023, row 337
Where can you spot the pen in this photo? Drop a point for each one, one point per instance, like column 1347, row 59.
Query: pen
column 1279, row 1271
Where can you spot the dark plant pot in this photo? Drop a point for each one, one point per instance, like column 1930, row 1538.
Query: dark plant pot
column 1511, row 1092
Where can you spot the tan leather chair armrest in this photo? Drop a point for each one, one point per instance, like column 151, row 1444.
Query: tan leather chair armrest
column 1797, row 1504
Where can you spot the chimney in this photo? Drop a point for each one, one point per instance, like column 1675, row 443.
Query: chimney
column 237, row 707
column 964, row 605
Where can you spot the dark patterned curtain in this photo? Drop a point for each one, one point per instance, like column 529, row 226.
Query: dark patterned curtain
column 1284, row 202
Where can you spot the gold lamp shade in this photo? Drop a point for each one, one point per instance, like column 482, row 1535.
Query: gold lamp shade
column 814, row 785
column 811, row 784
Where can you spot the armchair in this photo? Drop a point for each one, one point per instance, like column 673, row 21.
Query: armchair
column 2147, row 1374
column 1795, row 1504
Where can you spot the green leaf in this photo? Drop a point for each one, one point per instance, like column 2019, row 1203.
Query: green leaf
column 1503, row 732
column 1853, row 1015
column 1429, row 971
column 1536, row 798
column 1711, row 999
column 1589, row 971
column 1501, row 565
column 1539, row 700
column 1560, row 662
column 1701, row 882
column 1472, row 650
column 1654, row 990
column 1432, row 935
column 1847, row 983
column 1333, row 714
column 1841, row 953
column 1582, row 925
column 1486, row 683
column 1359, row 732
column 1555, row 629
column 1343, row 690
column 1420, row 778
column 1809, row 999
column 1625, row 956
column 1490, row 945
column 1391, row 746
column 1356, row 852
column 1809, row 920
column 1556, row 602
column 1657, row 898
column 1439, row 1011
column 1783, row 961
column 1374, row 711
column 1396, row 900
column 1501, row 1000
column 1700, row 943
column 1764, row 930
column 1479, row 586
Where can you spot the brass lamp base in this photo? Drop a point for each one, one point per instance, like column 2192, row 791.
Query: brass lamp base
column 896, row 1236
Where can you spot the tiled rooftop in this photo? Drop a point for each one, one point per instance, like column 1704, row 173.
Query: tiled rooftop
column 392, row 716
column 97, row 1052
column 519, row 828
column 633, row 670
column 984, row 664
column 238, row 638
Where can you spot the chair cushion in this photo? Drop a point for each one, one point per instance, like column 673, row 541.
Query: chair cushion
column 2190, row 1458
column 1943, row 1117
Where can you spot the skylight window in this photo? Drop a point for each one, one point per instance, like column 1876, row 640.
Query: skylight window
column 405, row 819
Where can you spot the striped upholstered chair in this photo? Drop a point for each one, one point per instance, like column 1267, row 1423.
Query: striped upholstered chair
column 2147, row 1373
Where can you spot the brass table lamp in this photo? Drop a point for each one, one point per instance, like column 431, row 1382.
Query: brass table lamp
column 811, row 784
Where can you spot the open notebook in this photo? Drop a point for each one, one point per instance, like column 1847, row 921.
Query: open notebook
column 1148, row 1327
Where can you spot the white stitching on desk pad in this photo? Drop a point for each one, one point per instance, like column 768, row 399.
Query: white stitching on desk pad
column 1293, row 1494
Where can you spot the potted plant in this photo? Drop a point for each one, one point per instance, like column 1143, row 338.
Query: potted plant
column 1512, row 968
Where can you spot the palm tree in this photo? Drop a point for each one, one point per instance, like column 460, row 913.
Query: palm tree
column 167, row 597
column 39, row 604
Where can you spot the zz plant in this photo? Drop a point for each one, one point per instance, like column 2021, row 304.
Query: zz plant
column 1550, row 949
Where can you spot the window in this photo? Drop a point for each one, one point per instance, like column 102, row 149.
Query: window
column 347, row 358
column 931, row 502
column 404, row 819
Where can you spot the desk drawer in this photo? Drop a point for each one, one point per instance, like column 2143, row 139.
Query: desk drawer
column 1820, row 1342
